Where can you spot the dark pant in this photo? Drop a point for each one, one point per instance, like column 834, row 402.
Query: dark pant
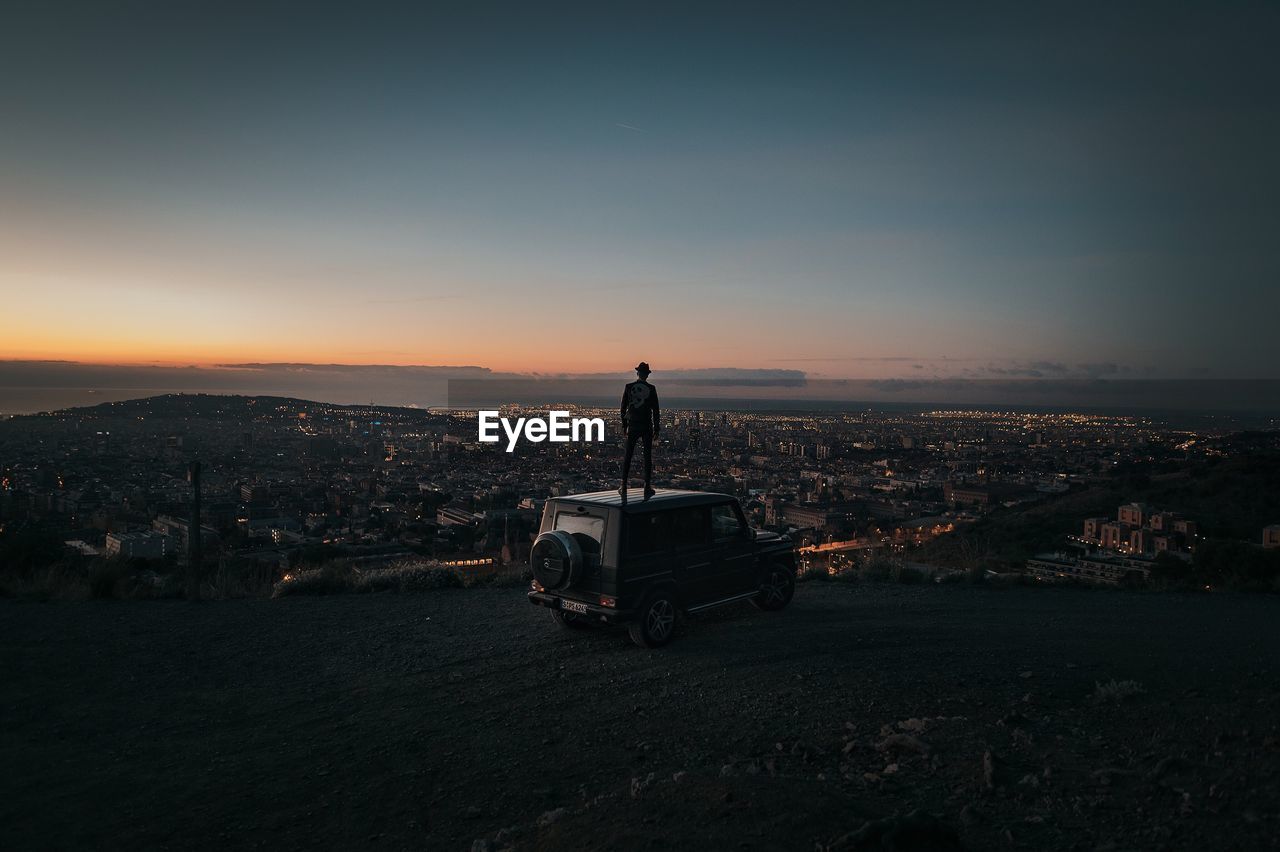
column 647, row 439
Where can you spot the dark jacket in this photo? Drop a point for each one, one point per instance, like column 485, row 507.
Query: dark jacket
column 640, row 407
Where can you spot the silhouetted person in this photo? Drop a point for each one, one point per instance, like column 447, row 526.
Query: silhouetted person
column 640, row 419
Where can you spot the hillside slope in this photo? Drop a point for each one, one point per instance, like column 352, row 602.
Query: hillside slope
column 1231, row 499
column 435, row 720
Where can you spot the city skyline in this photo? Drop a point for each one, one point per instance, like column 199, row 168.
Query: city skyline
column 870, row 193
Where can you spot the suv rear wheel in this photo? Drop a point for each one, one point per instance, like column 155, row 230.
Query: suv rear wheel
column 656, row 621
column 779, row 586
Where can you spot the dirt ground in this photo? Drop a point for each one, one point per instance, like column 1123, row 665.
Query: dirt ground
column 863, row 717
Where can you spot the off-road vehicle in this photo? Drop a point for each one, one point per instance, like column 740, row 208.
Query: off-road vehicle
column 627, row 560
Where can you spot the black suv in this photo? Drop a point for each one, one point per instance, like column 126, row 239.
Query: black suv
column 599, row 557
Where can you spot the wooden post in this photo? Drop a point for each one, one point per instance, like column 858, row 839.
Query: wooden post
column 195, row 550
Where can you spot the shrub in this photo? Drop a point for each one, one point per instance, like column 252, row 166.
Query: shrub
column 1010, row 578
column 1236, row 564
column 513, row 579
column 1116, row 690
column 881, row 568
column 421, row 577
column 908, row 576
column 24, row 551
column 106, row 579
column 58, row 581
column 334, row 578
column 229, row 580
column 337, row 578
column 1171, row 573
column 813, row 573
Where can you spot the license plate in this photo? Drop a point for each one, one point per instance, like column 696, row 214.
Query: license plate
column 573, row 606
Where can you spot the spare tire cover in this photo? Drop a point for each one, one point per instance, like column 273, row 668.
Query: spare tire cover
column 556, row 559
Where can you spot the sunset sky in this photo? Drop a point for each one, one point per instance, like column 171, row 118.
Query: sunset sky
column 880, row 191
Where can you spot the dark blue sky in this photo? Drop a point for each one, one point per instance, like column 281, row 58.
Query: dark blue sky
column 856, row 190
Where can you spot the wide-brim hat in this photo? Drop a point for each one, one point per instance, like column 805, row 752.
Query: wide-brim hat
column 643, row 367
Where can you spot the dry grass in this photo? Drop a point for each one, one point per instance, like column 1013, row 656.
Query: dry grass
column 810, row 574
column 100, row 579
column 95, row 579
column 56, row 582
column 338, row 578
column 408, row 577
column 1117, row 691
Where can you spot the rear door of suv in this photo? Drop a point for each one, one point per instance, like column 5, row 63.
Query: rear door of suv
column 646, row 555
column 587, row 526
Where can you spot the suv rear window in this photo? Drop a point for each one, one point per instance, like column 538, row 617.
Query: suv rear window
column 587, row 529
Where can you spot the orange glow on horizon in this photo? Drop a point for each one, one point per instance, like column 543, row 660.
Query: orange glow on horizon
column 210, row 356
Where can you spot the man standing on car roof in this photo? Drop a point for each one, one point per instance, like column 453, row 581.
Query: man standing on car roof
column 640, row 419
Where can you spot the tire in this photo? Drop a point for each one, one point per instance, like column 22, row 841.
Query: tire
column 556, row 560
column 655, row 622
column 777, row 590
column 569, row 620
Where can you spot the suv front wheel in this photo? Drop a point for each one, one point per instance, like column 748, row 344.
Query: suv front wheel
column 656, row 621
column 778, row 588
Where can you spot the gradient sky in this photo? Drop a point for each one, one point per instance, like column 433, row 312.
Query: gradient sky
column 875, row 191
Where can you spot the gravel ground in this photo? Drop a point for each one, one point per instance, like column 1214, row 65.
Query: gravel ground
column 861, row 717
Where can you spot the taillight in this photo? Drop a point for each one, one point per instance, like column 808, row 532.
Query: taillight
column 605, row 600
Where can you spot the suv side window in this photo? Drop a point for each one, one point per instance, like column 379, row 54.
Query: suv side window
column 646, row 533
column 725, row 523
column 690, row 527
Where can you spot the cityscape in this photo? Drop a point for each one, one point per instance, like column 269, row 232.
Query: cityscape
column 289, row 485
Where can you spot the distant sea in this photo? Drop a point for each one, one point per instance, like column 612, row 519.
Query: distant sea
column 28, row 400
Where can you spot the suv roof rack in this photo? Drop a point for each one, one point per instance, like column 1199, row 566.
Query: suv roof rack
column 663, row 498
